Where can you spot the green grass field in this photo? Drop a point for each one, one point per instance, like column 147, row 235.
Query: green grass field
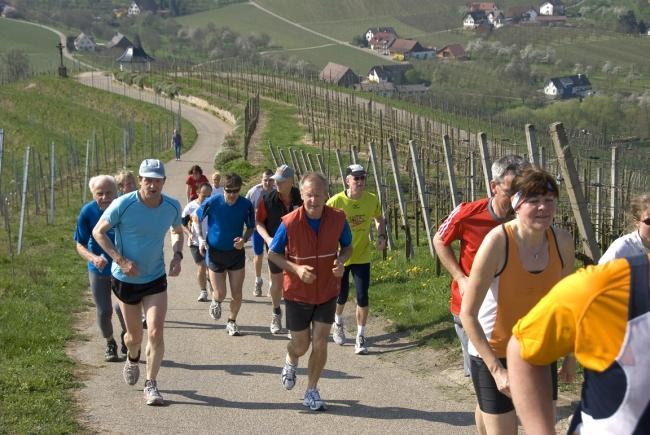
column 246, row 19
column 38, row 44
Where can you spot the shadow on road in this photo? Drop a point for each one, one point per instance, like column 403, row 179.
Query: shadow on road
column 348, row 408
column 252, row 369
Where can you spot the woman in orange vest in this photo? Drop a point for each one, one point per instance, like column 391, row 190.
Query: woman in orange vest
column 516, row 265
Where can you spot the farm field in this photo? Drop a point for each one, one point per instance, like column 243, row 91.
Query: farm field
column 246, row 19
column 37, row 43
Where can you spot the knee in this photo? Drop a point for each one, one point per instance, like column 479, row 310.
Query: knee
column 298, row 349
column 236, row 297
column 155, row 336
column 319, row 344
column 105, row 312
column 134, row 339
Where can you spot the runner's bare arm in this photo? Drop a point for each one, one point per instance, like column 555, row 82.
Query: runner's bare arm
column 177, row 249
column 97, row 260
column 450, row 263
column 99, row 233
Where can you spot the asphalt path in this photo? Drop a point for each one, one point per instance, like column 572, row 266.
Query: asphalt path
column 212, row 382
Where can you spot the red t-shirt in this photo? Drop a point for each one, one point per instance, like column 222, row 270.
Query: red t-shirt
column 194, row 184
column 469, row 222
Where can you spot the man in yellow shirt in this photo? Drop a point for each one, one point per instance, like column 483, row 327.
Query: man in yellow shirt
column 602, row 314
column 361, row 209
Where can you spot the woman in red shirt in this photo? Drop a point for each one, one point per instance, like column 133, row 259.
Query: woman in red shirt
column 194, row 180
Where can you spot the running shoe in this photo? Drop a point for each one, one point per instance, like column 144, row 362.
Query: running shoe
column 215, row 310
column 203, row 296
column 339, row 334
column 111, row 352
column 360, row 346
column 289, row 375
column 123, row 349
column 258, row 287
column 131, row 371
column 313, row 400
column 232, row 329
column 276, row 324
column 151, row 393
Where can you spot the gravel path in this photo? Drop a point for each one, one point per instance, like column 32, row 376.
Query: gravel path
column 215, row 383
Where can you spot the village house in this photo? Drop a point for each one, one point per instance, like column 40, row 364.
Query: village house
column 521, row 14
column 8, row 11
column 404, row 49
column 389, row 73
column 552, row 7
column 371, row 32
column 84, row 42
column 135, row 59
column 134, row 9
column 452, row 52
column 568, row 86
column 339, row 75
column 551, row 20
column 472, row 20
column 119, row 41
column 381, row 42
column 414, row 90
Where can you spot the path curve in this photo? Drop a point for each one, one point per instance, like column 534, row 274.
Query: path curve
column 216, row 383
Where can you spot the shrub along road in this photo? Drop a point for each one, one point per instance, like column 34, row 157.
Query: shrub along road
column 213, row 382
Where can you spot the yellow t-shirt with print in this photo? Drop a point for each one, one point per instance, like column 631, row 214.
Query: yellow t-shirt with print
column 360, row 214
column 585, row 313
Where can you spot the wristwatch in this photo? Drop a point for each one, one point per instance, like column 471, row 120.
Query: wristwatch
column 179, row 253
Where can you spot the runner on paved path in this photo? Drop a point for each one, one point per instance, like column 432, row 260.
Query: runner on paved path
column 602, row 314
column 194, row 236
column 361, row 209
column 227, row 215
column 195, row 178
column 104, row 191
column 516, row 265
column 306, row 247
column 469, row 222
column 273, row 206
column 255, row 195
column 141, row 220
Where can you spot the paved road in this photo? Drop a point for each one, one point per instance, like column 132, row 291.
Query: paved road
column 216, row 383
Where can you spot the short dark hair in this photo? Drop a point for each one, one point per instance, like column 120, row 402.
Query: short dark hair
column 534, row 182
column 195, row 168
column 232, row 181
column 268, row 173
column 202, row 185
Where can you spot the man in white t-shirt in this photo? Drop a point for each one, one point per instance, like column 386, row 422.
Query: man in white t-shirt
column 196, row 232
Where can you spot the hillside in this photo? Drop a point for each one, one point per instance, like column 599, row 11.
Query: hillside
column 38, row 44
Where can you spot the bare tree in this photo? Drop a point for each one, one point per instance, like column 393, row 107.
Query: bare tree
column 16, row 65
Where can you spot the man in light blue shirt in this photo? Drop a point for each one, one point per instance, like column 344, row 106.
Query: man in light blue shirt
column 140, row 220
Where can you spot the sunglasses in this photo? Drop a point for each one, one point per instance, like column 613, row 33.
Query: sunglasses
column 646, row 221
column 359, row 177
column 231, row 190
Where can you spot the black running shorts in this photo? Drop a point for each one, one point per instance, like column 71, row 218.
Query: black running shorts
column 490, row 399
column 220, row 261
column 133, row 294
column 196, row 254
column 300, row 315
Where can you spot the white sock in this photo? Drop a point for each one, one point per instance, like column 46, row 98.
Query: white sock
column 361, row 330
column 258, row 279
column 338, row 319
column 286, row 361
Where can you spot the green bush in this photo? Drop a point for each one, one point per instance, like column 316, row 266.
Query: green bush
column 226, row 156
column 240, row 167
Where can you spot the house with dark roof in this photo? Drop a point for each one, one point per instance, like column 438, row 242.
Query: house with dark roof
column 119, row 41
column 372, row 32
column 389, row 73
column 452, row 51
column 482, row 6
column 568, row 86
column 84, row 42
column 135, row 59
column 339, row 75
column 402, row 49
column 472, row 20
